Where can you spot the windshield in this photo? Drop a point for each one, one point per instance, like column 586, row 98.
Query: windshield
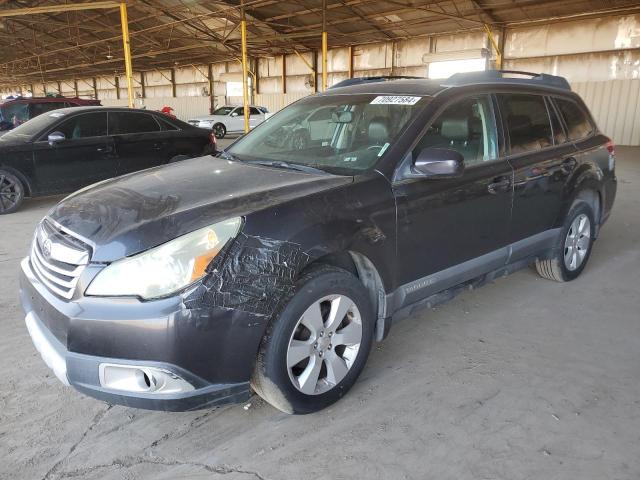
column 342, row 134
column 223, row 111
column 35, row 125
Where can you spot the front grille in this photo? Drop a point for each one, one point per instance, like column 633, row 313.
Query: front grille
column 58, row 258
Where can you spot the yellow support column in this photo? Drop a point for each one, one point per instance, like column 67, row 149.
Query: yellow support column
column 324, row 61
column 324, row 45
column 245, row 79
column 493, row 42
column 126, row 43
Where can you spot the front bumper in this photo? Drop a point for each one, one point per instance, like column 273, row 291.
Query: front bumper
column 211, row 349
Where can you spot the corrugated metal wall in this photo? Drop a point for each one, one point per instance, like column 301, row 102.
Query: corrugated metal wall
column 615, row 105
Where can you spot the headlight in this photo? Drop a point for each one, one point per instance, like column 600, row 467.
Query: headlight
column 167, row 268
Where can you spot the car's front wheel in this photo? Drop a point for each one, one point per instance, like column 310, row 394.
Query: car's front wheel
column 11, row 192
column 314, row 350
column 576, row 241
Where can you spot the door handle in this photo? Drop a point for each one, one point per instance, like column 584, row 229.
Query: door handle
column 500, row 184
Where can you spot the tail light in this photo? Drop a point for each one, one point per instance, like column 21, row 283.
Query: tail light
column 611, row 147
column 213, row 140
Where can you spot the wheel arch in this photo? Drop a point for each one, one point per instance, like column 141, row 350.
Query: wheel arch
column 22, row 177
column 365, row 270
column 588, row 189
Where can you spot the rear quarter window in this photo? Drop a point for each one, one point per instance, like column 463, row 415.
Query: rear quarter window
column 575, row 118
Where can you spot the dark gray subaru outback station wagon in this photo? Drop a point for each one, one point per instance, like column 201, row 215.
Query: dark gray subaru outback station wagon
column 276, row 264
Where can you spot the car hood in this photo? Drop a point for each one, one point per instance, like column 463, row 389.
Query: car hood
column 12, row 141
column 130, row 214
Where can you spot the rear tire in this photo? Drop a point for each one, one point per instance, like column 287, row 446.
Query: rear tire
column 11, row 192
column 317, row 345
column 219, row 130
column 574, row 248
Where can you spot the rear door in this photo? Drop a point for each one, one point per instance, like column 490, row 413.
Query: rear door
column 256, row 117
column 86, row 155
column 542, row 160
column 139, row 141
column 451, row 230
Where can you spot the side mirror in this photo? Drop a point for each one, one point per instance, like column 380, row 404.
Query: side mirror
column 55, row 138
column 439, row 162
column 234, row 114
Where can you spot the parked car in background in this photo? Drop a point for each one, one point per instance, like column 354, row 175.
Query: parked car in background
column 67, row 149
column 310, row 128
column 275, row 269
column 230, row 119
column 17, row 111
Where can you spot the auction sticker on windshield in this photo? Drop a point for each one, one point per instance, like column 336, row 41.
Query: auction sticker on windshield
column 395, row 100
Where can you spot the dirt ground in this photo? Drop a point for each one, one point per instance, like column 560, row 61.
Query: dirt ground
column 522, row 379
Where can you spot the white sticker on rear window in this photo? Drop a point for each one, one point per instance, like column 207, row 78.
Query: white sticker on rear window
column 395, row 100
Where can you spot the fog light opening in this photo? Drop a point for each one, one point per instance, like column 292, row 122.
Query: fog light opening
column 141, row 379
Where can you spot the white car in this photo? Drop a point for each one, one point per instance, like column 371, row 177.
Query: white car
column 230, row 119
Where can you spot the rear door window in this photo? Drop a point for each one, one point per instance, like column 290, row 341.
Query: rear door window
column 578, row 125
column 528, row 123
column 466, row 126
column 166, row 125
column 122, row 123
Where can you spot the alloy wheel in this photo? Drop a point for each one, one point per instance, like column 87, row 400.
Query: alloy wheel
column 577, row 242
column 219, row 131
column 324, row 344
column 9, row 193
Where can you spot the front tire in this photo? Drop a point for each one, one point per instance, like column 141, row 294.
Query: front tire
column 574, row 250
column 11, row 192
column 316, row 347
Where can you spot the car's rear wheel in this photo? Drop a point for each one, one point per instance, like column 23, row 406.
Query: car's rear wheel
column 573, row 252
column 219, row 130
column 317, row 346
column 11, row 192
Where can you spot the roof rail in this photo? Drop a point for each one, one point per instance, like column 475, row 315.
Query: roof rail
column 381, row 78
column 507, row 76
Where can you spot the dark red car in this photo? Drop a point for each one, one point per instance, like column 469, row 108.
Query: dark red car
column 16, row 112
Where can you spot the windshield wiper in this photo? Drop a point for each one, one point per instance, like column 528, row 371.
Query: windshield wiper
column 289, row 166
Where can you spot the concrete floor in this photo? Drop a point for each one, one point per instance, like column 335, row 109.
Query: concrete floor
column 524, row 378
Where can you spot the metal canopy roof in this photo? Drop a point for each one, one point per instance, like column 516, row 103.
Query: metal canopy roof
column 170, row 33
